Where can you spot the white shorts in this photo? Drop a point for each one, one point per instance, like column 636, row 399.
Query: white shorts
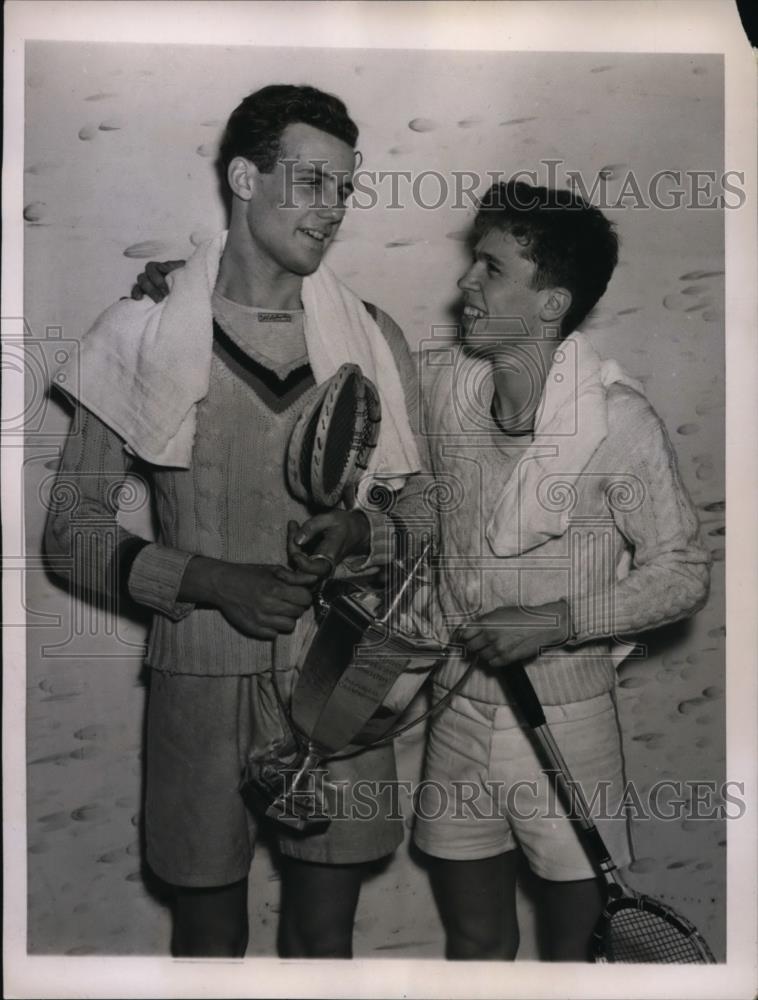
column 485, row 789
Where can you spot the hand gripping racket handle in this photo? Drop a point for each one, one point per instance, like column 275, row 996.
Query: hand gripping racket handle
column 517, row 684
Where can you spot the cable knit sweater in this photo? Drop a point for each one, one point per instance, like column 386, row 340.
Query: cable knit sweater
column 232, row 504
column 631, row 560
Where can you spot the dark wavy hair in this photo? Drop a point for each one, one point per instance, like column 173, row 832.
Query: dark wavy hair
column 255, row 127
column 570, row 242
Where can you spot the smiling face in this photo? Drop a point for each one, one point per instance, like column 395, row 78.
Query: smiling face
column 500, row 304
column 294, row 212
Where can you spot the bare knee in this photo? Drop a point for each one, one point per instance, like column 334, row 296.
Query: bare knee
column 312, row 940
column 477, row 903
column 218, row 942
column 571, row 911
column 305, row 933
column 471, row 941
column 210, row 923
column 318, row 909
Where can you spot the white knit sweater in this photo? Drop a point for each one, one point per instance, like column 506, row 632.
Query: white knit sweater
column 630, row 517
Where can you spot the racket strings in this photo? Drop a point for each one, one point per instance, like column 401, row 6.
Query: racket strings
column 340, row 438
column 366, row 443
column 369, row 426
column 638, row 935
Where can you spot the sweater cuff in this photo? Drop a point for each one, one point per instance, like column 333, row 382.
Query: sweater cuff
column 588, row 620
column 381, row 544
column 155, row 579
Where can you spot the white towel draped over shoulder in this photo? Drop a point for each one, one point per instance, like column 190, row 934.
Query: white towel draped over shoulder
column 571, row 423
column 338, row 328
column 143, row 368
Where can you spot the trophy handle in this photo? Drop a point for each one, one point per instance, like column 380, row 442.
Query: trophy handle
column 286, row 808
column 311, row 760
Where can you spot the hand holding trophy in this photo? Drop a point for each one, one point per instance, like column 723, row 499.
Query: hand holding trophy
column 359, row 650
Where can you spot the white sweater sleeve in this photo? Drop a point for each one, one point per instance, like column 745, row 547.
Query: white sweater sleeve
column 670, row 567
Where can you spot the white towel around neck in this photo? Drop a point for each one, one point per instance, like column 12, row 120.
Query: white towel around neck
column 571, row 423
column 143, row 368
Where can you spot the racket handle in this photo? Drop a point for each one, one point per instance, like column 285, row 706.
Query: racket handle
column 520, row 688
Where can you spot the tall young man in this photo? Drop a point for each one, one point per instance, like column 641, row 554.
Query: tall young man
column 204, row 390
column 573, row 527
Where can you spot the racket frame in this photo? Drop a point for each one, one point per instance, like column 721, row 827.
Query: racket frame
column 516, row 681
column 631, row 900
column 307, row 472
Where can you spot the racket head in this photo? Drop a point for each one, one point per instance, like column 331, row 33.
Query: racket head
column 338, row 433
column 332, row 440
column 371, row 424
column 300, row 447
column 638, row 929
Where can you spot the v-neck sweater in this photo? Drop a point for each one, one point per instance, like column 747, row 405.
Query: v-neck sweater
column 232, row 504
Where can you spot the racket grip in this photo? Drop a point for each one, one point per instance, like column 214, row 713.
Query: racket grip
column 520, row 688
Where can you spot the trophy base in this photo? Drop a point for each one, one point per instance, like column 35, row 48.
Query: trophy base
column 285, row 811
column 283, row 785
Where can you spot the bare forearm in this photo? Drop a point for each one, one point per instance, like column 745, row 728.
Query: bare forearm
column 199, row 582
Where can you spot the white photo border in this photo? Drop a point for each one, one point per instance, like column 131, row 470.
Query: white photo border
column 700, row 26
